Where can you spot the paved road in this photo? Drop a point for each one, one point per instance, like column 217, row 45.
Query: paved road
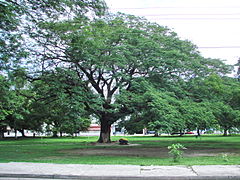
column 45, row 171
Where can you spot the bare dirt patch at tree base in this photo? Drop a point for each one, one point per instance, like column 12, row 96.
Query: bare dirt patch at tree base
column 138, row 151
column 114, row 143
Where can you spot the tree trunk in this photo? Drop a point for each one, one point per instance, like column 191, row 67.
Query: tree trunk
column 55, row 134
column 1, row 133
column 225, row 133
column 198, row 132
column 22, row 132
column 105, row 130
column 15, row 131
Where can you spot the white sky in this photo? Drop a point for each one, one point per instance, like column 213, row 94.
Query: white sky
column 212, row 25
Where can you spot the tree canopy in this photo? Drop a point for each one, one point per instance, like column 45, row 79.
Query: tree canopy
column 81, row 61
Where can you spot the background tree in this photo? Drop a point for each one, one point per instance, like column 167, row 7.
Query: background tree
column 59, row 102
column 22, row 17
column 219, row 92
column 227, row 117
column 198, row 116
column 14, row 105
column 133, row 124
column 5, row 99
column 162, row 112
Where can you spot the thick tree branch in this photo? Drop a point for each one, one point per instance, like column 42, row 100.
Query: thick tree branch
column 91, row 79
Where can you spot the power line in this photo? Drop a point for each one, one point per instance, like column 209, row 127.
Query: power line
column 219, row 47
column 168, row 16
column 200, row 18
column 179, row 8
column 231, row 14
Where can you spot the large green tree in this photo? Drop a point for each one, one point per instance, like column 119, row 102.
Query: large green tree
column 110, row 54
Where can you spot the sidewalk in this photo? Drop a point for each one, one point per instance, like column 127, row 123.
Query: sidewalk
column 117, row 172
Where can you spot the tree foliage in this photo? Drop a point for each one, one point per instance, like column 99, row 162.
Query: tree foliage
column 82, row 62
column 109, row 54
column 11, row 40
column 21, row 103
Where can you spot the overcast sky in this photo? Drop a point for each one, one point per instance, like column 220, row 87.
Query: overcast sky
column 213, row 25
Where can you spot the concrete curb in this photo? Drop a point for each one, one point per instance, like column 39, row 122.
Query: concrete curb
column 56, row 176
column 117, row 172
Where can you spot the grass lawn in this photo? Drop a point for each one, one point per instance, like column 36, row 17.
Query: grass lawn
column 142, row 151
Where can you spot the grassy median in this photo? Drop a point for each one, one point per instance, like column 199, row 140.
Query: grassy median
column 141, row 150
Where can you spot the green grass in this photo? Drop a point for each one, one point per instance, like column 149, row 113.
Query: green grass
column 50, row 150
